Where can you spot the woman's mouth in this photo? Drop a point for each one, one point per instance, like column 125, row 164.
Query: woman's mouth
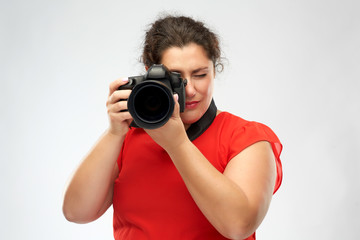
column 191, row 105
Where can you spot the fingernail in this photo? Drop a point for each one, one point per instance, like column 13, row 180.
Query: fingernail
column 124, row 79
column 176, row 97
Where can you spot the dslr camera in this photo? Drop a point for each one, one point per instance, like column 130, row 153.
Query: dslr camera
column 151, row 101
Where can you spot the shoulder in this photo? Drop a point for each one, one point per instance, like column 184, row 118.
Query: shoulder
column 225, row 123
column 234, row 133
column 239, row 134
column 230, row 120
column 226, row 117
column 231, row 123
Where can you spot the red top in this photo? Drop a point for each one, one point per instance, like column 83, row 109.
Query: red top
column 150, row 198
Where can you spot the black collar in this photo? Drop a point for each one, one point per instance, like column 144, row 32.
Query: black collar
column 197, row 128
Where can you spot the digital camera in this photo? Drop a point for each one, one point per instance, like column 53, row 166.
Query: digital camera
column 151, row 101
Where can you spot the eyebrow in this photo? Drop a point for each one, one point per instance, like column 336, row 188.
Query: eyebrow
column 195, row 71
column 200, row 69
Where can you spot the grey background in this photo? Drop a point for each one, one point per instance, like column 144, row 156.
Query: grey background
column 293, row 65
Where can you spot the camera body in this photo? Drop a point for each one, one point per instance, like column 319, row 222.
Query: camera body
column 151, row 101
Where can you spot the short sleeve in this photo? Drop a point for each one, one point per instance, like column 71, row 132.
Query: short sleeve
column 251, row 133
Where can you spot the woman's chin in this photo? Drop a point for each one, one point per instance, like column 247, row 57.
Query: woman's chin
column 189, row 119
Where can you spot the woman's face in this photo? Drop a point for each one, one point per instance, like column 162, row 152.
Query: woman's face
column 193, row 64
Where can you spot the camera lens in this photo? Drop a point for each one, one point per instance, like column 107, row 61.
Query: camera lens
column 151, row 104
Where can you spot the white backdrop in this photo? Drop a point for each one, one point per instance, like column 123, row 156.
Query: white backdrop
column 293, row 65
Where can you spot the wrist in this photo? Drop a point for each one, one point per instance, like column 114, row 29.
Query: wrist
column 179, row 146
column 115, row 135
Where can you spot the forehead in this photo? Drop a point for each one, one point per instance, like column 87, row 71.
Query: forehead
column 191, row 56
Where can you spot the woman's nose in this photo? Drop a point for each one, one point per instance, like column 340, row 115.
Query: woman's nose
column 190, row 90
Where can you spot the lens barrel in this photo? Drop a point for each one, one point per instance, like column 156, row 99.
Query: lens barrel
column 151, row 104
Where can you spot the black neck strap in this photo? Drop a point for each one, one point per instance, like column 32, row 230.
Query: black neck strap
column 197, row 128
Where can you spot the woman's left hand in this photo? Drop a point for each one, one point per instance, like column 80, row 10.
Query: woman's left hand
column 171, row 134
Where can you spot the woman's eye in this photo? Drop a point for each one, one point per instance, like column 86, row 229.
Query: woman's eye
column 200, row 75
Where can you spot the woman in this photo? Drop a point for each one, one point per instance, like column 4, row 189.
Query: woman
column 168, row 183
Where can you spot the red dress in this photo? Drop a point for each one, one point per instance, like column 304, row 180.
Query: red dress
column 150, row 198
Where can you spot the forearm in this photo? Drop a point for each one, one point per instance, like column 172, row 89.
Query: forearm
column 222, row 201
column 88, row 189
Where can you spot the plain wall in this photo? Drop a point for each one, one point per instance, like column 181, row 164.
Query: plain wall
column 293, row 65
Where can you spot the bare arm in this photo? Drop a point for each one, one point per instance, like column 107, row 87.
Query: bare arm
column 87, row 195
column 89, row 192
column 236, row 201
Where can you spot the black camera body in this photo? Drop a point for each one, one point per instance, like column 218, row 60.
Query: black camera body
column 151, row 101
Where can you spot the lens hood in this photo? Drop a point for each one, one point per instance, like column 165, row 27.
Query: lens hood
column 151, row 104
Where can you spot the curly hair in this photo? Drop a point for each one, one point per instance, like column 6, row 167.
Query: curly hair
column 179, row 31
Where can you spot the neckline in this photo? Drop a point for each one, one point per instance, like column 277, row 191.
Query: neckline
column 199, row 127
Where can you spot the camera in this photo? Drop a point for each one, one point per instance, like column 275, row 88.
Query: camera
column 151, row 101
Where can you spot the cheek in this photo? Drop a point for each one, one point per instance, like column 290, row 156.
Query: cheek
column 205, row 87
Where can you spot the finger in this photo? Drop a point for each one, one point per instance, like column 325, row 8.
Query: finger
column 116, row 84
column 119, row 95
column 117, row 107
column 120, row 117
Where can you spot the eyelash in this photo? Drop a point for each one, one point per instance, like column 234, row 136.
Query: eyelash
column 200, row 76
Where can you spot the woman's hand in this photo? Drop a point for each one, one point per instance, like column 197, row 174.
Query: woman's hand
column 173, row 133
column 116, row 104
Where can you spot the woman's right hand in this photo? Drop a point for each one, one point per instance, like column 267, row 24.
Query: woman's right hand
column 116, row 104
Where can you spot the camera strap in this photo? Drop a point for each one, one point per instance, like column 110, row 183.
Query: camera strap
column 197, row 128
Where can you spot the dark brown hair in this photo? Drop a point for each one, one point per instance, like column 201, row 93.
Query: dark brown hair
column 179, row 31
